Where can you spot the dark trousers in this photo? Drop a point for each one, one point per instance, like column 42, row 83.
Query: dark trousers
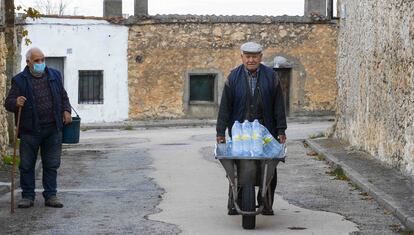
column 272, row 189
column 49, row 140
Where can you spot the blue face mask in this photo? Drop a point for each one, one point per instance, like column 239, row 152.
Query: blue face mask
column 39, row 68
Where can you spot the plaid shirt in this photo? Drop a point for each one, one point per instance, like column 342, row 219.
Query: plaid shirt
column 252, row 80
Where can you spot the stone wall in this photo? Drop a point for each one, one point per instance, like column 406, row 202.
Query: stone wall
column 3, row 120
column 163, row 50
column 376, row 79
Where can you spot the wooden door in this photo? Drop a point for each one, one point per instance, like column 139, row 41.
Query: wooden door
column 284, row 78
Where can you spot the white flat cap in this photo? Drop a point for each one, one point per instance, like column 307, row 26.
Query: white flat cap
column 251, row 47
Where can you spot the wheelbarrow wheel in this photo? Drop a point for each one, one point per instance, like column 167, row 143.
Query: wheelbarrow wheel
column 248, row 204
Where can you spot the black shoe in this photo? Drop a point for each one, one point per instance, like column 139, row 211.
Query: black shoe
column 232, row 211
column 266, row 211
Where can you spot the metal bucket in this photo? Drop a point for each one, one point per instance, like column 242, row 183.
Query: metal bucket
column 71, row 131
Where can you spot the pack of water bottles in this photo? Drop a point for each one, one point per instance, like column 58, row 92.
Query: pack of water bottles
column 251, row 139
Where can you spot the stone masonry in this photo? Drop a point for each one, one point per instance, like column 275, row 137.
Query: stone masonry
column 3, row 121
column 375, row 75
column 163, row 49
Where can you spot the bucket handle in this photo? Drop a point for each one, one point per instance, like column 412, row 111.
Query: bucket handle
column 77, row 115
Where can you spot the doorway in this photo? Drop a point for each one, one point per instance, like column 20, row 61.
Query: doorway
column 58, row 64
column 284, row 75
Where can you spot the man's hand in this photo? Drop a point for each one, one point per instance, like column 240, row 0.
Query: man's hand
column 281, row 138
column 221, row 140
column 67, row 118
column 20, row 101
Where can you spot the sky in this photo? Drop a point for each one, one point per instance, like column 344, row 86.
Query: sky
column 197, row 7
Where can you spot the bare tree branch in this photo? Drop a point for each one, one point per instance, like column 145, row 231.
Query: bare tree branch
column 62, row 7
column 50, row 7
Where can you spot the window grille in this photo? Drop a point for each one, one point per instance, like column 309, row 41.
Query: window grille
column 90, row 87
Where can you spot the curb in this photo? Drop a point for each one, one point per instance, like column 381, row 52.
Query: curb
column 6, row 189
column 381, row 197
column 184, row 123
column 148, row 124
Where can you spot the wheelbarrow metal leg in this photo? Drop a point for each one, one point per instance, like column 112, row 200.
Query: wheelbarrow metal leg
column 264, row 182
column 235, row 189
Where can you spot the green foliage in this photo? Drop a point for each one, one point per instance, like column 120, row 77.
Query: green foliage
column 29, row 12
column 354, row 186
column 316, row 135
column 32, row 13
column 339, row 174
column 128, row 127
column 320, row 157
column 27, row 40
column 397, row 228
column 8, row 160
column 406, row 231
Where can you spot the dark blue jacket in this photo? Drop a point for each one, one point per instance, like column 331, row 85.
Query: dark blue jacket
column 21, row 86
column 234, row 100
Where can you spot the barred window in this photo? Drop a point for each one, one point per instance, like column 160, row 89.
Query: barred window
column 202, row 87
column 90, row 87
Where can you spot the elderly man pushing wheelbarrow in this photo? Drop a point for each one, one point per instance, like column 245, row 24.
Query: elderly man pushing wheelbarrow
column 253, row 91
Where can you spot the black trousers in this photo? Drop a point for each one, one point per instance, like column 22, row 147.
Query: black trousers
column 268, row 205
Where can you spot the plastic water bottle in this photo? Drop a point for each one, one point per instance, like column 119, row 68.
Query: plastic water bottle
column 229, row 145
column 271, row 147
column 246, row 138
column 236, row 133
column 257, row 139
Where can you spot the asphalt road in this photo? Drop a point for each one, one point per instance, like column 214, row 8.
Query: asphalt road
column 166, row 181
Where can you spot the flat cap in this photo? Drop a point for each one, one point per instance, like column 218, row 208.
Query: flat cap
column 251, row 47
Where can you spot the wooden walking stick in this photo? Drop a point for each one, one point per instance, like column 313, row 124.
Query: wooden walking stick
column 14, row 160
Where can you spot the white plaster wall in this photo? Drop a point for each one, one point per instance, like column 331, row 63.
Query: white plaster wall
column 94, row 45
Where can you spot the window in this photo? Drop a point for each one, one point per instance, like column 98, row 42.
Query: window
column 202, row 87
column 90, row 87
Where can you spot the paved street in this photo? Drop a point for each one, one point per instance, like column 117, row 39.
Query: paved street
column 166, row 181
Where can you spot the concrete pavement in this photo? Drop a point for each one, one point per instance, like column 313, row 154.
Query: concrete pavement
column 196, row 194
column 104, row 185
column 387, row 185
column 309, row 122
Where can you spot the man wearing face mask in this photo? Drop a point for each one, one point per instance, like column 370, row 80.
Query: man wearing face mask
column 252, row 91
column 39, row 91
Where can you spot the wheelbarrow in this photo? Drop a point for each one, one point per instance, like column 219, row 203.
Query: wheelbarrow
column 243, row 174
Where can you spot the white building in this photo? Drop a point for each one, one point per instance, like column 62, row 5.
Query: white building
column 92, row 56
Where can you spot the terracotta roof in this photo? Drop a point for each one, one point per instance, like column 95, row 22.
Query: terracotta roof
column 174, row 18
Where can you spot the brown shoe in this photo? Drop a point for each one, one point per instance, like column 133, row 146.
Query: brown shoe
column 53, row 201
column 25, row 203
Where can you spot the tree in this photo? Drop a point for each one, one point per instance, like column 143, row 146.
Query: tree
column 10, row 36
column 11, row 44
column 50, row 7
